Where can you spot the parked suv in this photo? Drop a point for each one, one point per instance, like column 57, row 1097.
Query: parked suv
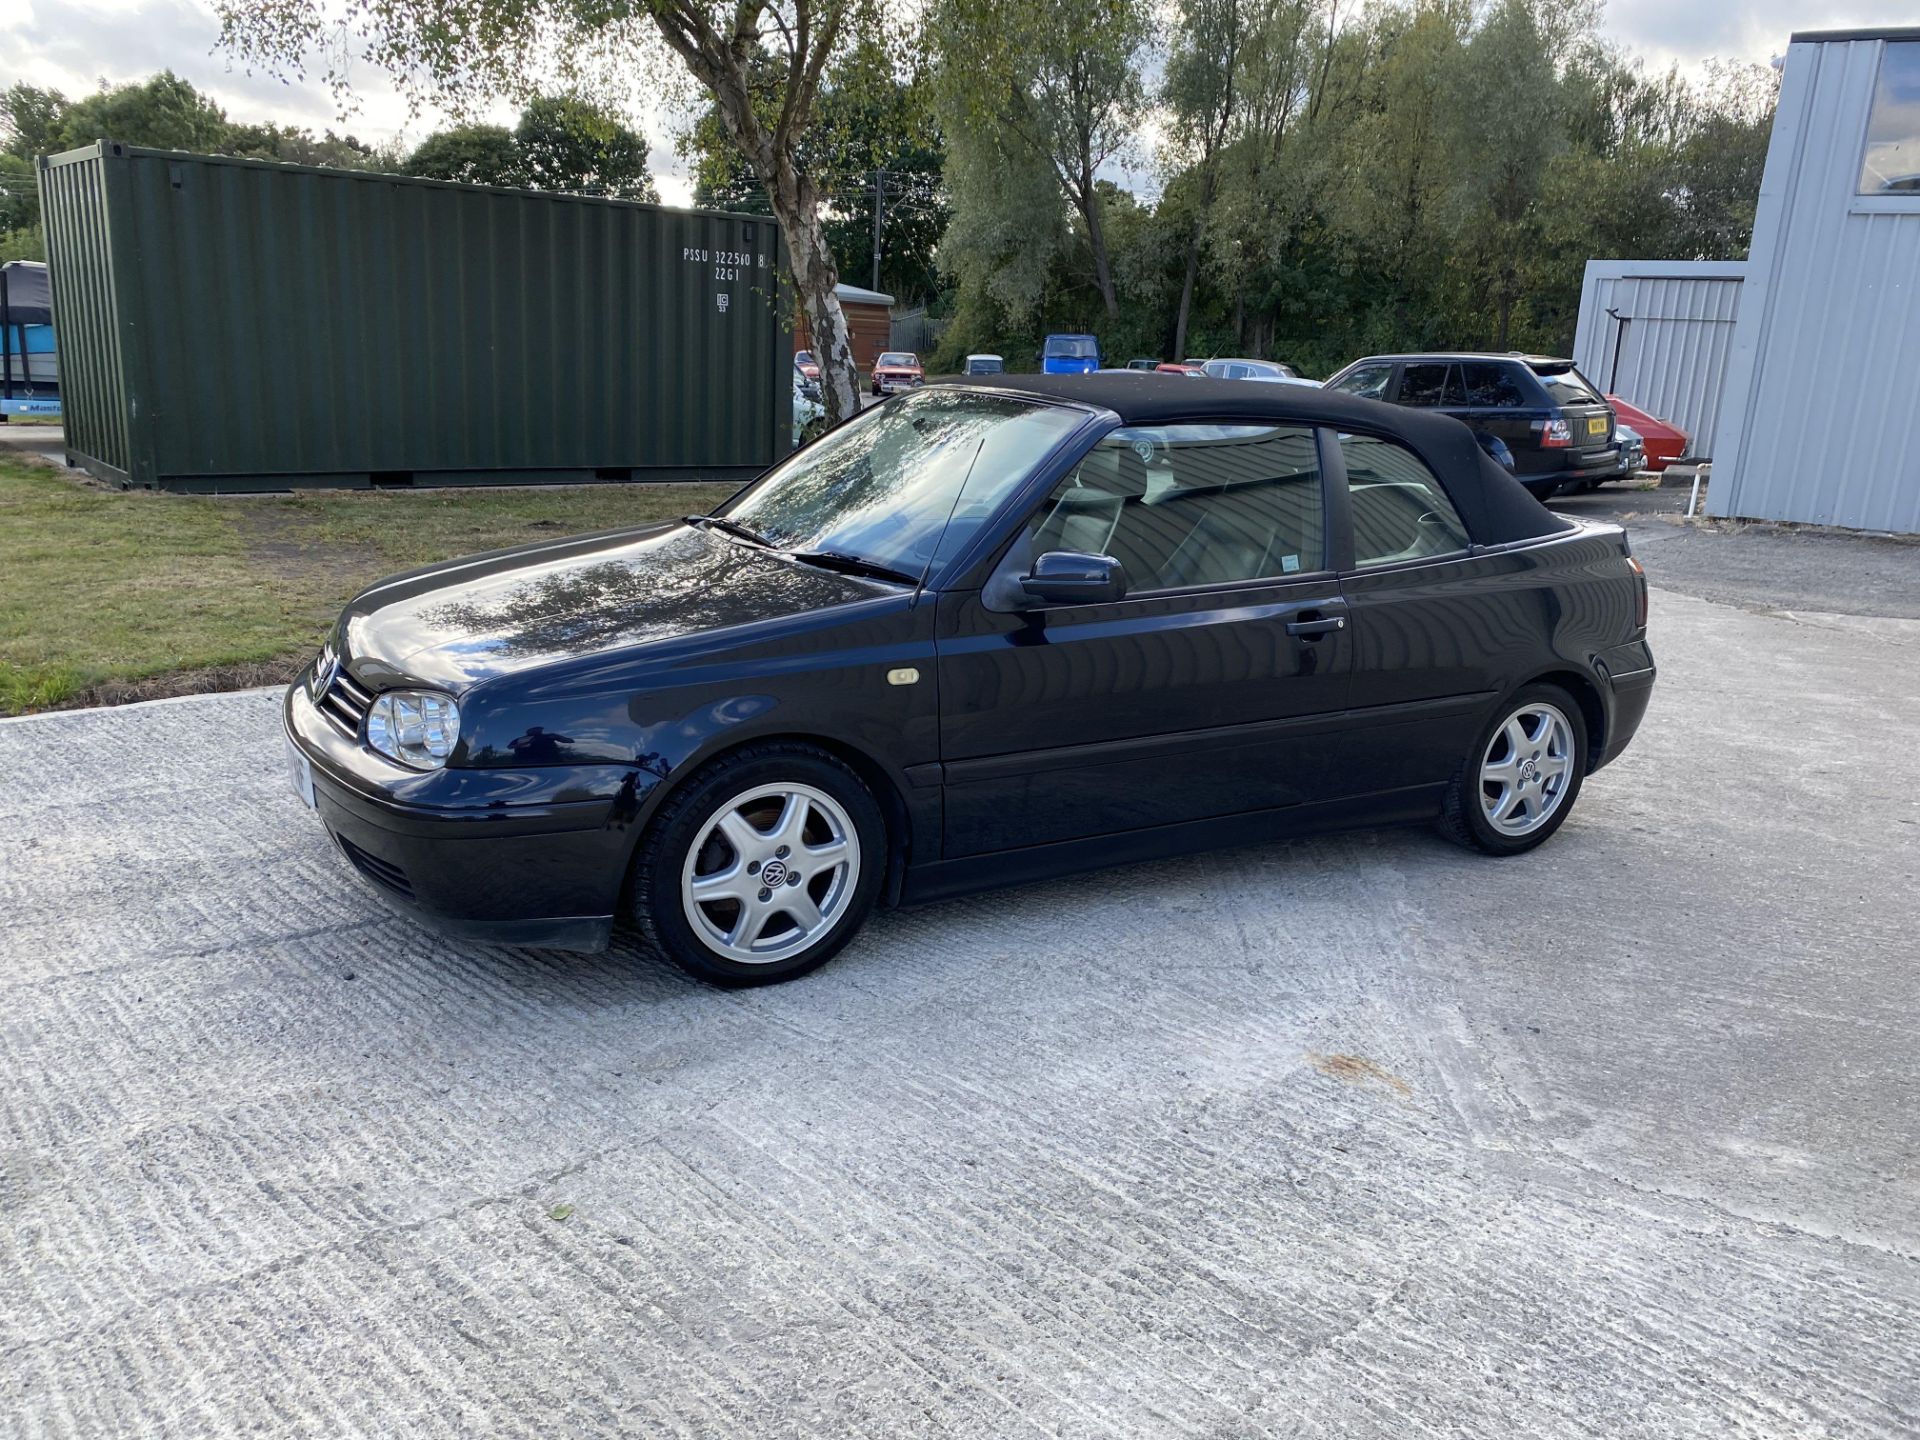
column 1552, row 421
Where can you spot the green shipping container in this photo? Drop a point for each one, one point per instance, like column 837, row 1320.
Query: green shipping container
column 244, row 325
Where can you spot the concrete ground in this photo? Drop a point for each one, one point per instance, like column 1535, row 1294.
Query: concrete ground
column 1361, row 1136
column 47, row 442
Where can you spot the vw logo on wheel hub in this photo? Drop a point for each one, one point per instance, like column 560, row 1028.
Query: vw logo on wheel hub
column 775, row 873
column 1529, row 772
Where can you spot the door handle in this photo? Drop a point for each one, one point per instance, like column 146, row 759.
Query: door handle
column 1313, row 629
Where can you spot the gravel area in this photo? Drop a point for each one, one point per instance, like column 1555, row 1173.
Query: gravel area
column 1761, row 567
column 1361, row 1136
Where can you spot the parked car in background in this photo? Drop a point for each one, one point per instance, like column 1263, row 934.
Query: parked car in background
column 1069, row 355
column 809, row 415
column 1142, row 363
column 1234, row 369
column 897, row 370
column 806, row 375
column 1665, row 442
column 1633, row 450
column 1169, row 617
column 1553, row 422
column 983, row 365
column 1171, row 367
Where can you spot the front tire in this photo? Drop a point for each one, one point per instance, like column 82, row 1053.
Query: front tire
column 761, row 867
column 1519, row 781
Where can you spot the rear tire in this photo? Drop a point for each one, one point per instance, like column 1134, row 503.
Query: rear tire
column 701, row 892
column 1519, row 781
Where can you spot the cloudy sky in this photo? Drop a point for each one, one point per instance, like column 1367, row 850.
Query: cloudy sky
column 73, row 45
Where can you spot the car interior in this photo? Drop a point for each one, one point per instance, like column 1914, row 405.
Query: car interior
column 1398, row 509
column 1230, row 503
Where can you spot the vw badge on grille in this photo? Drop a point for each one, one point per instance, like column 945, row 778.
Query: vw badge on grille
column 324, row 669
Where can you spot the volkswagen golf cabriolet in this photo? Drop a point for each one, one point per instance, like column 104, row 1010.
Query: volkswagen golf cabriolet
column 986, row 632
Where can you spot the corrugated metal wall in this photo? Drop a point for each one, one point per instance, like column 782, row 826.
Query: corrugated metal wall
column 1821, row 418
column 1658, row 333
column 94, row 406
column 280, row 325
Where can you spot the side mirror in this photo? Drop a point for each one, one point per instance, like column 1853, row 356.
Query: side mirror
column 1065, row 577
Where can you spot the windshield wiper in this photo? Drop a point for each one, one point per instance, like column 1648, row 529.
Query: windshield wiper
column 854, row 565
column 732, row 527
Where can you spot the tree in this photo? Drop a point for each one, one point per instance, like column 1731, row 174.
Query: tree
column 1199, row 91
column 470, row 154
column 760, row 63
column 857, row 131
column 1060, row 80
column 30, row 120
column 163, row 111
column 570, row 144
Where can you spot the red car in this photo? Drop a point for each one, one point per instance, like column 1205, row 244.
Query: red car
column 896, row 370
column 1665, row 443
column 804, row 362
column 1172, row 369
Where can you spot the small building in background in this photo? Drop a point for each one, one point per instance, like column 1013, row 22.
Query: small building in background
column 1820, row 419
column 869, row 325
column 1658, row 333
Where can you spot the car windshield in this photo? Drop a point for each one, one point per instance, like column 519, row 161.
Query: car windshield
column 1568, row 386
column 803, row 357
column 883, row 487
column 897, row 357
column 1071, row 347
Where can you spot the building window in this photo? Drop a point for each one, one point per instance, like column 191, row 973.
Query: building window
column 1890, row 164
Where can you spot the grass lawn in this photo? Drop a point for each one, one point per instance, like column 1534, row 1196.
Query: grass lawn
column 108, row 596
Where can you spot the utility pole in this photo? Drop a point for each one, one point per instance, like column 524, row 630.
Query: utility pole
column 879, row 209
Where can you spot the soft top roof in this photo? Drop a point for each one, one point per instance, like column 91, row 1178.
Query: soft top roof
column 1494, row 505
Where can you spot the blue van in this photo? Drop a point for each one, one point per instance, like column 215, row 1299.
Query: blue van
column 1070, row 355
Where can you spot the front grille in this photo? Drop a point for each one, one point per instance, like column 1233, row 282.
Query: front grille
column 382, row 872
column 343, row 701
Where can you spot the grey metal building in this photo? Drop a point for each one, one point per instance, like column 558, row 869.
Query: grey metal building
column 1659, row 333
column 1820, row 421
column 242, row 325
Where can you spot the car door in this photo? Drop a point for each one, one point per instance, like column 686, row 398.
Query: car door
column 1433, row 625
column 1203, row 692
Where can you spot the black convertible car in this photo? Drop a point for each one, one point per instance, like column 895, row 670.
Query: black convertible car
column 987, row 632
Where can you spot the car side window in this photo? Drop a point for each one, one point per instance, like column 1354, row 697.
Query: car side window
column 1422, row 384
column 1491, row 387
column 1187, row 505
column 1400, row 511
column 1369, row 382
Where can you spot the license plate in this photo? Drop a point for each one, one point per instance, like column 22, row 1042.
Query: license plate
column 300, row 771
column 1596, row 427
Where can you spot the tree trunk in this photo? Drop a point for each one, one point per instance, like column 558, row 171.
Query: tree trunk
column 796, row 206
column 1097, row 242
column 1186, row 292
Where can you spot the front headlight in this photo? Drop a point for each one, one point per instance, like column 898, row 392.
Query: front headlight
column 419, row 728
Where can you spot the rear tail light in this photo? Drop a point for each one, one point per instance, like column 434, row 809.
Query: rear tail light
column 1639, row 592
column 1555, row 434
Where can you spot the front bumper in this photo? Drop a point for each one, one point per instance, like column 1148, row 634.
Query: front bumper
column 546, row 872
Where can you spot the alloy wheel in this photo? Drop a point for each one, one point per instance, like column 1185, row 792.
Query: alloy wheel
column 770, row 873
column 1527, row 769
